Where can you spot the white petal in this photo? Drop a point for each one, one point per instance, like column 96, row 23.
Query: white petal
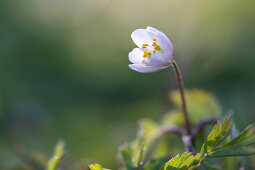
column 164, row 42
column 136, row 56
column 142, row 68
column 152, row 29
column 157, row 60
column 140, row 37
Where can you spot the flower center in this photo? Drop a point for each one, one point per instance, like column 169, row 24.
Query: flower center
column 151, row 49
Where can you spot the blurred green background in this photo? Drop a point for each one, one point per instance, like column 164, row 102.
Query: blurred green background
column 64, row 69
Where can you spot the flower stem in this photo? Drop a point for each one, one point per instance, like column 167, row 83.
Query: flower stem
column 184, row 108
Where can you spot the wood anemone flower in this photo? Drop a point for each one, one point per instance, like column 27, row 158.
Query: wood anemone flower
column 155, row 51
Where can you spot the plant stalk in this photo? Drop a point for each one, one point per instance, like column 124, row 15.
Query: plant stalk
column 181, row 89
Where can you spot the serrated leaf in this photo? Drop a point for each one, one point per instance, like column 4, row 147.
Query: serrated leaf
column 218, row 135
column 242, row 145
column 58, row 154
column 200, row 104
column 184, row 158
column 184, row 162
column 96, row 167
column 219, row 142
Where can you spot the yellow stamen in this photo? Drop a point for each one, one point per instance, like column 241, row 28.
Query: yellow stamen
column 154, row 39
column 154, row 44
column 157, row 48
column 144, row 45
column 146, row 54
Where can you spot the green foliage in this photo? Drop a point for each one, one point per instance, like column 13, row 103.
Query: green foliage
column 149, row 129
column 58, row 154
column 220, row 144
column 154, row 145
column 135, row 154
column 156, row 164
column 131, row 154
column 186, row 161
column 96, row 167
column 200, row 104
column 222, row 141
column 173, row 118
column 242, row 145
column 218, row 134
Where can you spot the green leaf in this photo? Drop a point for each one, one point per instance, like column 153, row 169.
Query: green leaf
column 184, row 162
column 156, row 164
column 218, row 135
column 149, row 129
column 219, row 142
column 130, row 153
column 200, row 104
column 183, row 158
column 134, row 154
column 173, row 118
column 140, row 157
column 96, row 167
column 58, row 154
column 242, row 145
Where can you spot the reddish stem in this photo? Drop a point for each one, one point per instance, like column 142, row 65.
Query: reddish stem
column 184, row 108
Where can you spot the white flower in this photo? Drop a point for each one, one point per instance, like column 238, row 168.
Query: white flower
column 155, row 51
